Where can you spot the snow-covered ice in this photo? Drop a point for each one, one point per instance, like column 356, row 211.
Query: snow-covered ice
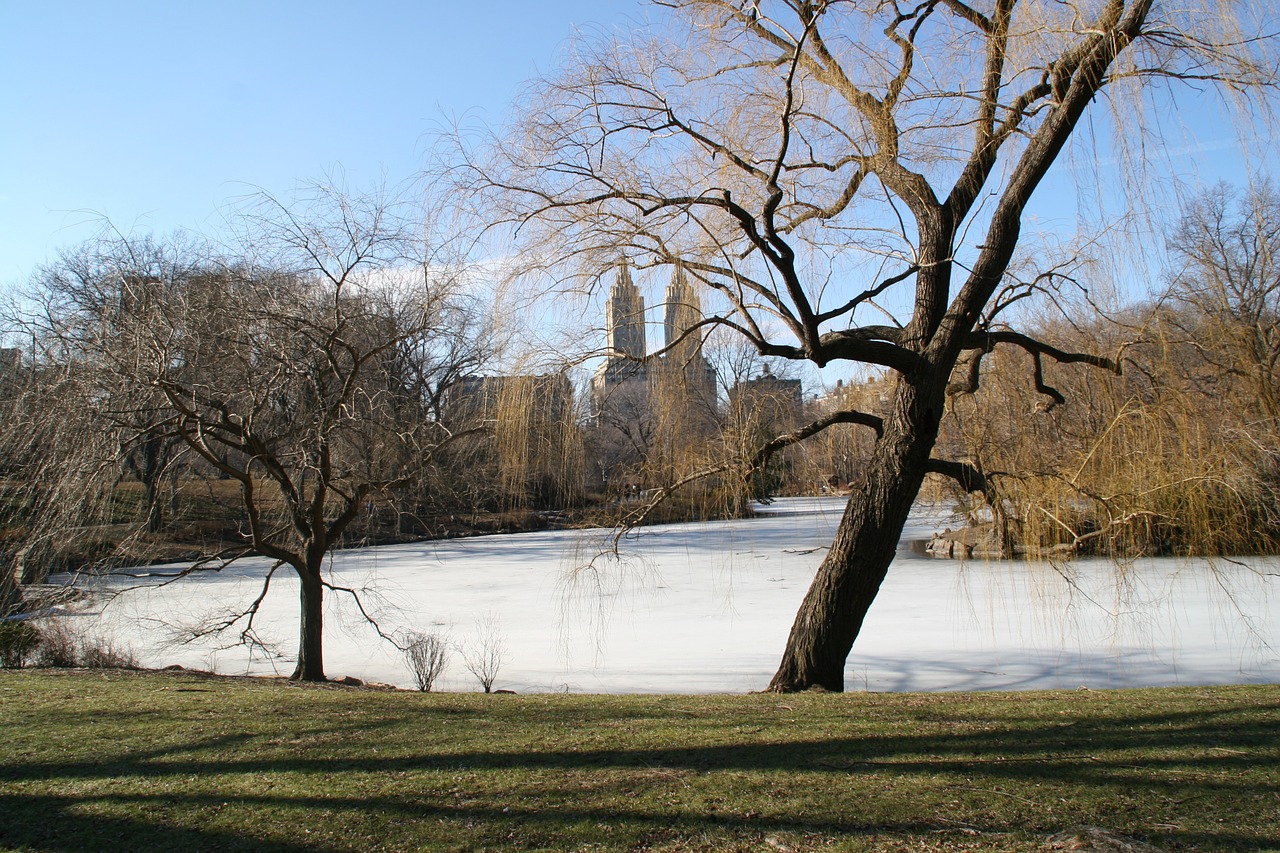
column 706, row 608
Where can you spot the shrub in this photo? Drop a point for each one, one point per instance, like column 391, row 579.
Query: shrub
column 59, row 645
column 428, row 657
column 490, row 653
column 103, row 654
column 18, row 639
column 62, row 644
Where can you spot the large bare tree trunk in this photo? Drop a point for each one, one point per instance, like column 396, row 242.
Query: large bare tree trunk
column 866, row 540
column 311, row 628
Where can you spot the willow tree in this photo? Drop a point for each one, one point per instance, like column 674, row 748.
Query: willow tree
column 847, row 179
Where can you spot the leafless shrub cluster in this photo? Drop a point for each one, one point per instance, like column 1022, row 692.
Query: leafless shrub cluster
column 486, row 657
column 428, row 657
column 59, row 641
column 18, row 641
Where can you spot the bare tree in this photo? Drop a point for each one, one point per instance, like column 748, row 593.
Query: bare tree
column 428, row 658
column 60, row 465
column 853, row 174
column 485, row 659
column 282, row 367
column 1227, row 245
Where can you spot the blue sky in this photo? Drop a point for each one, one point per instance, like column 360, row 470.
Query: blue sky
column 155, row 114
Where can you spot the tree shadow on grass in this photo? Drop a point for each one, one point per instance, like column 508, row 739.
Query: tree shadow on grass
column 61, row 824
column 1204, row 757
column 34, row 822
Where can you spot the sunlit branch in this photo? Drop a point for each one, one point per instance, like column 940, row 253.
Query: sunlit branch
column 867, row 295
column 762, row 456
column 965, row 475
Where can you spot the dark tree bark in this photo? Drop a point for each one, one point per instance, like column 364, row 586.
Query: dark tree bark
column 310, row 666
column 849, row 578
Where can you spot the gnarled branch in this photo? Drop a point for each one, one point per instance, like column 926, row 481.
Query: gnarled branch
column 981, row 343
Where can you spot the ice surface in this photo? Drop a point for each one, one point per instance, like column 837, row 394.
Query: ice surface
column 700, row 608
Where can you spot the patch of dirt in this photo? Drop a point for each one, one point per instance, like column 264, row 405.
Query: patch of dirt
column 1091, row 839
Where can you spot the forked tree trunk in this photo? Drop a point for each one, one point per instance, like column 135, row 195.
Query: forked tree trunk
column 849, row 578
column 311, row 628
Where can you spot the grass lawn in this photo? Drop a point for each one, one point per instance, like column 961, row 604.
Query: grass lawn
column 178, row 761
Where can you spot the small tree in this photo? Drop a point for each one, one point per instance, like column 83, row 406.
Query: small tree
column 298, row 368
column 485, row 659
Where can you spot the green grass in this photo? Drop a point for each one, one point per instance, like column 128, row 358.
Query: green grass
column 134, row 761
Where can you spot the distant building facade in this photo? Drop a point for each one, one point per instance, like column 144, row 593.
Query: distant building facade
column 624, row 374
column 628, row 369
column 549, row 396
column 841, row 452
column 649, row 414
column 529, row 452
column 645, row 407
column 770, row 400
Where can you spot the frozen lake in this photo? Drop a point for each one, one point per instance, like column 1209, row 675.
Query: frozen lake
column 699, row 608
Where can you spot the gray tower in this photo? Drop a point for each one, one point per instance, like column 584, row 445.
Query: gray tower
column 683, row 312
column 624, row 316
column 684, row 362
column 620, row 387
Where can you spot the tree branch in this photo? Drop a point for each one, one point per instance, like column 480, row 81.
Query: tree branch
column 967, row 476
column 762, row 456
column 981, row 343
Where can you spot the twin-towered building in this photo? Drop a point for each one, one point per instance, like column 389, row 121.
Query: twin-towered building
column 663, row 410
column 650, row 413
column 630, row 376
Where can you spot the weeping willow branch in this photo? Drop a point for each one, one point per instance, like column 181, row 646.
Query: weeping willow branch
column 659, row 495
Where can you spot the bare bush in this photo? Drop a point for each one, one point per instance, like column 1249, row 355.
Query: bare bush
column 59, row 645
column 428, row 658
column 486, row 658
column 63, row 644
column 18, row 640
column 97, row 653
